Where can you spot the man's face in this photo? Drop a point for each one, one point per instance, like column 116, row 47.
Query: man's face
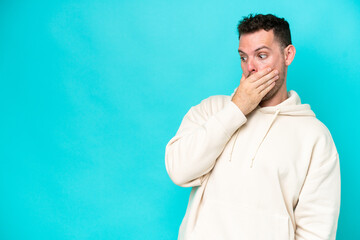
column 259, row 50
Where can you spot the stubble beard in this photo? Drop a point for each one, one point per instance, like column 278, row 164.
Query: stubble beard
column 278, row 84
column 276, row 88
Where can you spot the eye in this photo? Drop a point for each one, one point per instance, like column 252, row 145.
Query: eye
column 262, row 55
column 243, row 59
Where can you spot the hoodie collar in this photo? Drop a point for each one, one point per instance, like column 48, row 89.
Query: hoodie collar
column 291, row 106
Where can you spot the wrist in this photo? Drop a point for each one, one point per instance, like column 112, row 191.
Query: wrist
column 243, row 109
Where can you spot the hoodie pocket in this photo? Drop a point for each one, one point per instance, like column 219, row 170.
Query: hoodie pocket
column 229, row 221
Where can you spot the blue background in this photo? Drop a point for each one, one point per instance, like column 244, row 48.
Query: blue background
column 92, row 91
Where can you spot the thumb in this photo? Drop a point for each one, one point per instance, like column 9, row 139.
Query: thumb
column 242, row 77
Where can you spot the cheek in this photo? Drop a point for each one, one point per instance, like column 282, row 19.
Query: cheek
column 268, row 62
column 243, row 67
column 262, row 64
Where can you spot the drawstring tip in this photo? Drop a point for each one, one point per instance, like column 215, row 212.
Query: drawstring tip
column 252, row 162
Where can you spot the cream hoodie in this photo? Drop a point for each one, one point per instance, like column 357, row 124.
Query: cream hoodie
column 273, row 174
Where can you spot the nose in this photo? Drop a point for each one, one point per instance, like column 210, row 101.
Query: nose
column 251, row 66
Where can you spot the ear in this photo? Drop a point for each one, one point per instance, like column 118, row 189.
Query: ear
column 289, row 54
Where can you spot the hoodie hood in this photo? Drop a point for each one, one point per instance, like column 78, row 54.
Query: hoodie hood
column 290, row 107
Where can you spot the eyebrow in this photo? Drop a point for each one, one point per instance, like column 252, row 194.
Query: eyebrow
column 259, row 48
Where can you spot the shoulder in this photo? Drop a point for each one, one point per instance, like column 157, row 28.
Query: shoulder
column 208, row 107
column 322, row 137
column 318, row 128
column 215, row 103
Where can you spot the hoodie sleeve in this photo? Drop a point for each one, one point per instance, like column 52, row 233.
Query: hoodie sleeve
column 200, row 139
column 318, row 207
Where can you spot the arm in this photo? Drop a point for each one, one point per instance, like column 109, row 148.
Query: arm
column 201, row 138
column 203, row 134
column 318, row 207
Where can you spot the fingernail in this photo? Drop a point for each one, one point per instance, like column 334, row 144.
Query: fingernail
column 276, row 71
column 269, row 69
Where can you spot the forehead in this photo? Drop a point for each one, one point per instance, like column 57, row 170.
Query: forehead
column 251, row 41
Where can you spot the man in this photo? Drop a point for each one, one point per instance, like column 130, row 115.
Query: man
column 260, row 164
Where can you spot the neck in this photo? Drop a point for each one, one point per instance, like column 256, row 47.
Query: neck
column 279, row 97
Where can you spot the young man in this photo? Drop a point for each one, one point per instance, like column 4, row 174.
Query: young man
column 260, row 164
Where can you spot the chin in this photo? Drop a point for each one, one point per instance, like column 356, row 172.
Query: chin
column 269, row 95
column 274, row 90
column 272, row 93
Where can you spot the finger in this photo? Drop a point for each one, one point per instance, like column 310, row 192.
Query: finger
column 265, row 79
column 242, row 78
column 266, row 88
column 256, row 76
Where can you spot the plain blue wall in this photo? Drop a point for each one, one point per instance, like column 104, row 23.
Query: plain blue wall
column 92, row 91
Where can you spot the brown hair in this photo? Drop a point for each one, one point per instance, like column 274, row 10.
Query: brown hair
column 253, row 23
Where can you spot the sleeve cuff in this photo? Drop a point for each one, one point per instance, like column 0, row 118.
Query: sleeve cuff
column 231, row 118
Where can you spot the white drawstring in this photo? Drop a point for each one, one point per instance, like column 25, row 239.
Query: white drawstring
column 275, row 115
column 237, row 134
